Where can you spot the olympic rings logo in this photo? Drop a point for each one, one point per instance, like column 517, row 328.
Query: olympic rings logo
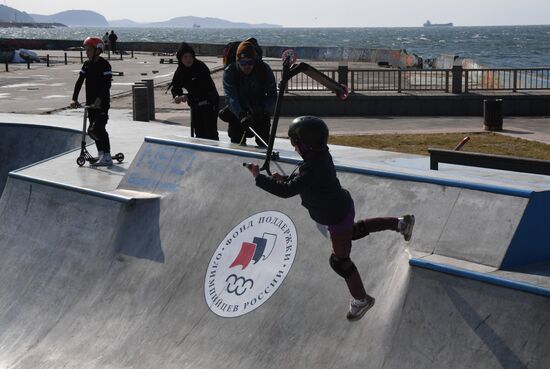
column 238, row 286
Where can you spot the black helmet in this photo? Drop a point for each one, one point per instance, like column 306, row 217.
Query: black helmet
column 309, row 131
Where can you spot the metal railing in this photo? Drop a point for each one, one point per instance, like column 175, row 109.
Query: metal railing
column 301, row 82
column 399, row 80
column 507, row 79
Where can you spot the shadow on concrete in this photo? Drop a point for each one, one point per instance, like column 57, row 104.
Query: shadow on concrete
column 139, row 232
column 542, row 269
column 480, row 326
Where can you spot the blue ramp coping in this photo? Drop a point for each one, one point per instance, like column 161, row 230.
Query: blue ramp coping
column 82, row 190
column 510, row 191
column 481, row 277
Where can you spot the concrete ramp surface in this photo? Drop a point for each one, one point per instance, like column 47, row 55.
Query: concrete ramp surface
column 25, row 144
column 201, row 269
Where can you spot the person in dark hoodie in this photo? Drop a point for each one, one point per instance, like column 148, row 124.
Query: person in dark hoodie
column 202, row 97
column 329, row 204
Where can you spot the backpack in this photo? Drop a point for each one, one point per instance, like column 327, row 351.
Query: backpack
column 230, row 50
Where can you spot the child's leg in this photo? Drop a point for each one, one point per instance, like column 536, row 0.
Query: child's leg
column 363, row 227
column 344, row 267
column 92, row 116
column 100, row 133
column 340, row 235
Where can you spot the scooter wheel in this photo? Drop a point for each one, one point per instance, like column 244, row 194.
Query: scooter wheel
column 119, row 157
column 80, row 161
column 345, row 93
column 291, row 54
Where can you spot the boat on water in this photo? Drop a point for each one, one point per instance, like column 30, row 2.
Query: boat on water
column 430, row 24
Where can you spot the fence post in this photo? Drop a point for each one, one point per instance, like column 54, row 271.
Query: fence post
column 81, row 58
column 132, row 54
column 140, row 102
column 120, row 52
column 343, row 74
column 7, row 69
column 150, row 97
column 47, row 60
column 399, row 80
column 457, row 79
column 28, row 64
column 515, row 80
column 447, row 81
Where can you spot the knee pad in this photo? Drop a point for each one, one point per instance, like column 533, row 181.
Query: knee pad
column 344, row 267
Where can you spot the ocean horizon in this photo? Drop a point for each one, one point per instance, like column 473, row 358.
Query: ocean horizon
column 491, row 46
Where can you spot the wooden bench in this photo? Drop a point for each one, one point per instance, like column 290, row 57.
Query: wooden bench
column 502, row 162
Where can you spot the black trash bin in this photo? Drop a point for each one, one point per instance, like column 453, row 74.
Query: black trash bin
column 492, row 114
column 140, row 103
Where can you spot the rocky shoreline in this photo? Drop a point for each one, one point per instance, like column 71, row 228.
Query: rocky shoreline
column 30, row 25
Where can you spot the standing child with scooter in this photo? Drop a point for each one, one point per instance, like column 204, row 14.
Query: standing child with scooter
column 98, row 75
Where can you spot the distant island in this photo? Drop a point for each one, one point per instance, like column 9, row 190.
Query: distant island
column 10, row 16
column 430, row 24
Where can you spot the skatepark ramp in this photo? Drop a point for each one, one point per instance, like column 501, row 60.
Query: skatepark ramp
column 189, row 265
column 25, row 144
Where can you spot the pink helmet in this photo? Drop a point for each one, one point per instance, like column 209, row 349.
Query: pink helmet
column 95, row 42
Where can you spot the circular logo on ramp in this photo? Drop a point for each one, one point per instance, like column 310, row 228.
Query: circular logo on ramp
column 250, row 264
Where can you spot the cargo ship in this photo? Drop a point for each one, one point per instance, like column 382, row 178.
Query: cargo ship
column 430, row 24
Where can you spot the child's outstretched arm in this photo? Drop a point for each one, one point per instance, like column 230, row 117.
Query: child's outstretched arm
column 277, row 184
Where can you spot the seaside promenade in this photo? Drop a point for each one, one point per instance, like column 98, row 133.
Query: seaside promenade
column 46, row 90
column 133, row 266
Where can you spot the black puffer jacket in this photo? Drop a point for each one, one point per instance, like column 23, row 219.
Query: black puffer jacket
column 316, row 183
column 197, row 81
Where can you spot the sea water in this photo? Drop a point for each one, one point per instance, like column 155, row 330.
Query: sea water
column 495, row 46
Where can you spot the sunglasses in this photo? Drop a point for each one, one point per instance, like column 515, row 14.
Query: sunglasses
column 247, row 62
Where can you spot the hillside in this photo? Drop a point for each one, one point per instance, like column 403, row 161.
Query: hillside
column 190, row 21
column 74, row 18
column 8, row 14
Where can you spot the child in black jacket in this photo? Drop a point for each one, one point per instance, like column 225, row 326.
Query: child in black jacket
column 97, row 73
column 329, row 204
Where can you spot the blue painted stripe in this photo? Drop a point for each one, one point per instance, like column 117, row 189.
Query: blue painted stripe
column 482, row 277
column 31, row 125
column 82, row 190
column 510, row 191
column 503, row 190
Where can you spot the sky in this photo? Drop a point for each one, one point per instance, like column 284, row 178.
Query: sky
column 307, row 13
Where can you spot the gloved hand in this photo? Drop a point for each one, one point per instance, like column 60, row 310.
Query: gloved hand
column 246, row 121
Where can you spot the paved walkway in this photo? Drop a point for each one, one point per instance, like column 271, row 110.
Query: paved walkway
column 40, row 90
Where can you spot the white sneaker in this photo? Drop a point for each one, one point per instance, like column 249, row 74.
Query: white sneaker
column 358, row 308
column 405, row 226
column 104, row 161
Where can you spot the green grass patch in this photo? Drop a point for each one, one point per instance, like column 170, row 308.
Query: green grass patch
column 482, row 142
